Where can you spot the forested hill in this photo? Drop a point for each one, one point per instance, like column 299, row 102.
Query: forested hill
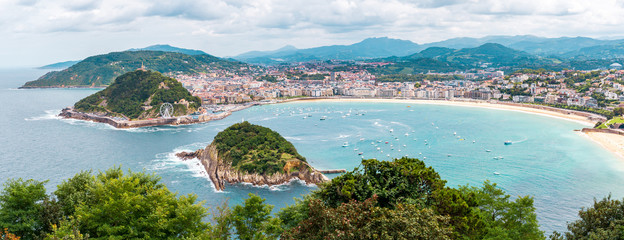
column 101, row 70
column 255, row 149
column 139, row 95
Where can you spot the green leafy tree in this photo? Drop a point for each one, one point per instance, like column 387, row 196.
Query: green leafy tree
column 365, row 220
column 505, row 219
column 131, row 206
column 604, row 220
column 20, row 207
column 253, row 220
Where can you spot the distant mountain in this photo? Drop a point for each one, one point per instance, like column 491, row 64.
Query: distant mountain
column 598, row 52
column 366, row 49
column 59, row 65
column 531, row 44
column 168, row 48
column 384, row 47
column 101, row 70
column 441, row 59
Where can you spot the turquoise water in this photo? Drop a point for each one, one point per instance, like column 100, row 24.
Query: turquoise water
column 562, row 169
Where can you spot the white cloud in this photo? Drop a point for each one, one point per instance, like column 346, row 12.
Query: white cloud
column 229, row 27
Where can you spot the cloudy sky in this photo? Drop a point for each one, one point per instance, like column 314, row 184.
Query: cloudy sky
column 39, row 32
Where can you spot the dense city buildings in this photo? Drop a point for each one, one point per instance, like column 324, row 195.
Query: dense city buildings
column 598, row 89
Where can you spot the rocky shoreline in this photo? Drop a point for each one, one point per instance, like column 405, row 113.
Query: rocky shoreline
column 73, row 114
column 221, row 173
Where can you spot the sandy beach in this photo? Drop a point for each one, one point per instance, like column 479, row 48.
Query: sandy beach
column 610, row 141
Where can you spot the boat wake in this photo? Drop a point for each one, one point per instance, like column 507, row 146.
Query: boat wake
column 171, row 163
column 49, row 115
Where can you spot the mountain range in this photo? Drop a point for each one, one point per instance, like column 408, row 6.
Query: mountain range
column 371, row 48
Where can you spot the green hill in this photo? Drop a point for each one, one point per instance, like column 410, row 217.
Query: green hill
column 256, row 149
column 101, row 70
column 139, row 95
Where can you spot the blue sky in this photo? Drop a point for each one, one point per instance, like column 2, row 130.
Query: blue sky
column 38, row 32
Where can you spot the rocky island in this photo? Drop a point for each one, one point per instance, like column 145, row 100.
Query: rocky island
column 247, row 153
column 134, row 99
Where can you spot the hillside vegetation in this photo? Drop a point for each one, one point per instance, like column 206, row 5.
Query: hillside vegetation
column 139, row 95
column 101, row 70
column 255, row 149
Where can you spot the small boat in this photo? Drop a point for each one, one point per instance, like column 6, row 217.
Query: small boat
column 378, row 140
column 474, row 141
column 323, row 117
column 496, row 173
column 488, row 150
column 386, row 142
column 406, row 134
column 345, row 144
column 355, row 149
column 495, row 157
column 372, row 143
column 448, row 155
column 362, row 139
column 508, row 142
column 360, row 153
column 391, row 130
column 454, row 133
column 499, row 157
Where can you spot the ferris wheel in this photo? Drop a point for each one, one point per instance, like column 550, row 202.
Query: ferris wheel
column 166, row 110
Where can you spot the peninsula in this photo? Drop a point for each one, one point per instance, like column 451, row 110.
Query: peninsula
column 248, row 153
column 135, row 99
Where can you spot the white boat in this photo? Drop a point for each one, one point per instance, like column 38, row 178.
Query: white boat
column 323, row 117
column 362, row 139
column 406, row 134
column 345, row 144
column 488, row 150
column 508, row 142
column 391, row 130
column 496, row 173
column 454, row 133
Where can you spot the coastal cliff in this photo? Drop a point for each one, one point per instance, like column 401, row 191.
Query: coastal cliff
column 221, row 172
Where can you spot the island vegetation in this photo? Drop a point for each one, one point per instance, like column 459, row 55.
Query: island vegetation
column 399, row 199
column 139, row 95
column 101, row 70
column 255, row 149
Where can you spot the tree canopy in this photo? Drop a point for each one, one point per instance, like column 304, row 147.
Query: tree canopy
column 255, row 149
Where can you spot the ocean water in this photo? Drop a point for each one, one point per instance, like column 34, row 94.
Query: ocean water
column 560, row 168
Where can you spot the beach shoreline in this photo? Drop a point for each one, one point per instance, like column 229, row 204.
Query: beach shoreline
column 587, row 119
column 609, row 141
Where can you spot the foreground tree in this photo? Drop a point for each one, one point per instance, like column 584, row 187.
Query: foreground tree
column 251, row 220
column 405, row 199
column 604, row 220
column 135, row 205
column 20, row 208
column 365, row 220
